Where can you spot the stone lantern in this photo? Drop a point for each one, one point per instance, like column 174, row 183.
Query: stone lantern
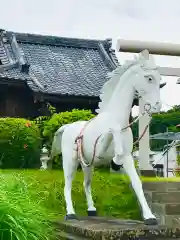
column 44, row 158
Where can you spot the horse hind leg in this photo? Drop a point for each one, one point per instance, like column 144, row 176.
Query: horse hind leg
column 87, row 188
column 70, row 163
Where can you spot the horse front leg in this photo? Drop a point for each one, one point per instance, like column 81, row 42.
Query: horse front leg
column 116, row 163
column 128, row 164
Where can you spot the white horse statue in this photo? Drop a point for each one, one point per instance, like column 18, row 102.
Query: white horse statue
column 108, row 136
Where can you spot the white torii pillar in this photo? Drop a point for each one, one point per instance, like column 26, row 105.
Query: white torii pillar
column 133, row 46
column 144, row 146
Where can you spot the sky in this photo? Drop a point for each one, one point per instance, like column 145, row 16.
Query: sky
column 149, row 20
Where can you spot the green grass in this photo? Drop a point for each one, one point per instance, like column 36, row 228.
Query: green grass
column 158, row 179
column 30, row 199
column 21, row 217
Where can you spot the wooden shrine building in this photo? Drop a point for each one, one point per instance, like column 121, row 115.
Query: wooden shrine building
column 65, row 72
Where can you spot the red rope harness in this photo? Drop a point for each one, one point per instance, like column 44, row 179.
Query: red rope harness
column 79, row 142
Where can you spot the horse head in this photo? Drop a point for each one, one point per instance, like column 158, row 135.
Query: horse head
column 147, row 82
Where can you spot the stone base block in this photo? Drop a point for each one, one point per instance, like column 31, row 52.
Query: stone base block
column 114, row 229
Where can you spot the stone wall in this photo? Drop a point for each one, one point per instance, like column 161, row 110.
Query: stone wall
column 164, row 200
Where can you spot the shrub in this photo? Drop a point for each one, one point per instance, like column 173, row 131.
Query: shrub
column 41, row 120
column 63, row 118
column 20, row 143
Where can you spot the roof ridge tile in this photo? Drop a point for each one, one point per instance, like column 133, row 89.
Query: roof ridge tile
column 56, row 40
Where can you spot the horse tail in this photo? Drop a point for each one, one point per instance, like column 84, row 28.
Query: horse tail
column 56, row 144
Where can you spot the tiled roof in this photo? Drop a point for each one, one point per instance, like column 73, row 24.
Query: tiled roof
column 56, row 65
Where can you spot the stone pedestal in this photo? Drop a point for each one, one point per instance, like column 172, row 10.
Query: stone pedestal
column 109, row 228
column 164, row 200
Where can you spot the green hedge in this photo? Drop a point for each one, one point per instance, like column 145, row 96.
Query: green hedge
column 20, row 143
column 59, row 119
column 41, row 120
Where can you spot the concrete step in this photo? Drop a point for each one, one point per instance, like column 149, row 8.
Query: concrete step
column 97, row 228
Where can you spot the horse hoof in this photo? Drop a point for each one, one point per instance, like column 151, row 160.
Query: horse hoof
column 151, row 221
column 115, row 166
column 92, row 213
column 71, row 217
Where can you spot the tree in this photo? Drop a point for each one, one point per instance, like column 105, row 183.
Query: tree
column 159, row 124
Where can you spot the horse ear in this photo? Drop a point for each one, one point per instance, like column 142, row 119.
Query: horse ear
column 144, row 54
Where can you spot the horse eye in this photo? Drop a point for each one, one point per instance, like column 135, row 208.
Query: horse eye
column 150, row 79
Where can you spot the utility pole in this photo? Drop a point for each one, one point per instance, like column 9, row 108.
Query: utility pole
column 167, row 156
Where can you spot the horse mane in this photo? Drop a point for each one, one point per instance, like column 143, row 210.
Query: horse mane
column 113, row 79
column 146, row 61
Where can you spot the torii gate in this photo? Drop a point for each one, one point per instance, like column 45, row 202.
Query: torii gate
column 168, row 49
